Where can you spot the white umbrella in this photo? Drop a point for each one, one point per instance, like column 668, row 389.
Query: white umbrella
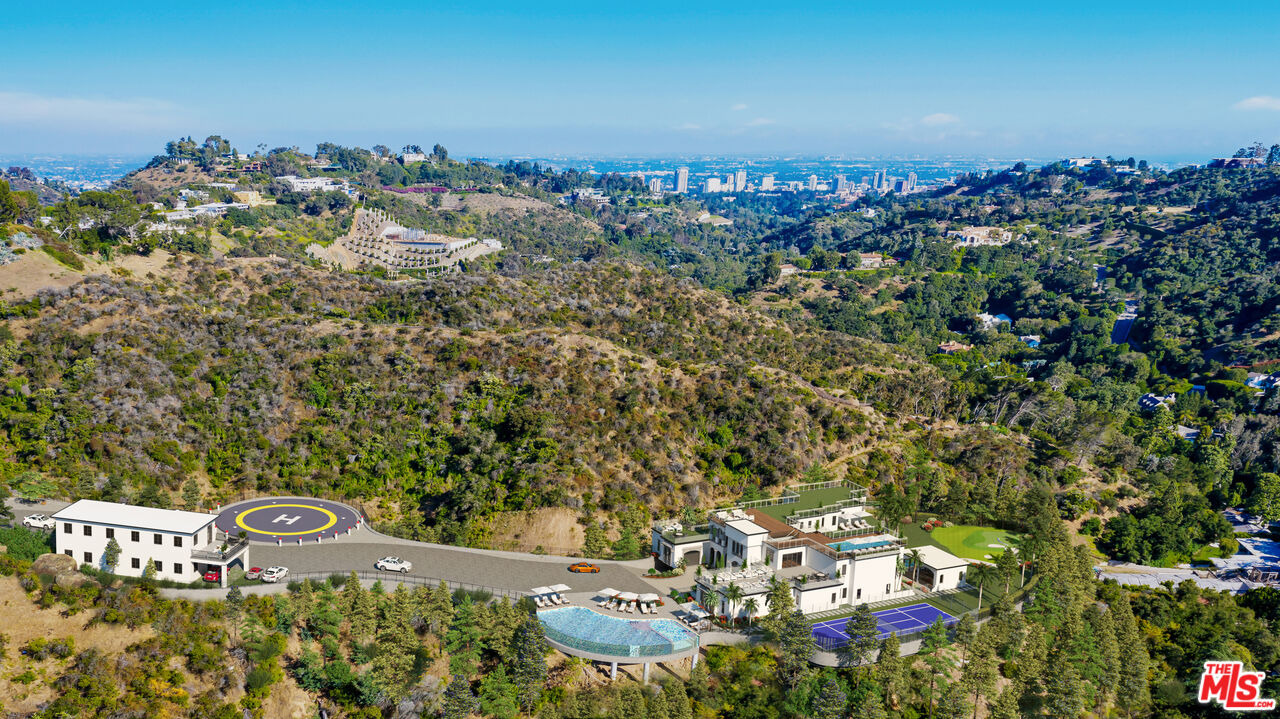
column 559, row 587
column 649, row 597
column 628, row 596
column 608, row 592
column 539, row 591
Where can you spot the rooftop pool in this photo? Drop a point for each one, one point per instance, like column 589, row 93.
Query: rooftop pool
column 847, row 546
column 618, row 636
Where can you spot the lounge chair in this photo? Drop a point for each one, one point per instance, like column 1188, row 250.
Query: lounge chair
column 561, row 598
column 538, row 601
column 604, row 601
column 631, row 608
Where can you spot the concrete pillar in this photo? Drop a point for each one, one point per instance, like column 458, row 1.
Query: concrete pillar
column 695, row 660
column 613, row 672
column 223, row 575
column 646, row 672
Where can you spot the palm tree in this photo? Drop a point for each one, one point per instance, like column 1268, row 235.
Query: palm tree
column 980, row 574
column 916, row 559
column 732, row 595
column 751, row 605
column 1029, row 549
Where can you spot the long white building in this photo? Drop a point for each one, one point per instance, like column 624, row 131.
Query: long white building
column 183, row 545
column 819, row 539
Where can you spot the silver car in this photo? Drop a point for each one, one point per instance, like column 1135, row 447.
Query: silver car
column 274, row 574
column 38, row 521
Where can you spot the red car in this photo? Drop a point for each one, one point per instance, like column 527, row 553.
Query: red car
column 253, row 573
column 213, row 575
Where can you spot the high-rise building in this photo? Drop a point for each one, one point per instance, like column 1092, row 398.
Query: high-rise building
column 878, row 184
column 711, row 185
column 841, row 184
column 655, row 185
column 766, row 183
column 740, row 180
column 911, row 181
column 729, row 185
column 813, row 183
column 682, row 180
column 899, row 186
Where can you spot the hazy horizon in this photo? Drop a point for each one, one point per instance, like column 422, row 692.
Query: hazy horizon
column 1004, row 80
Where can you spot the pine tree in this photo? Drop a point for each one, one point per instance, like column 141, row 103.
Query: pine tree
column 1108, row 654
column 863, row 630
column 890, row 668
column 528, row 654
column 191, row 495
column 979, row 675
column 235, row 605
column 439, row 610
column 397, row 646
column 459, row 701
column 955, row 702
column 870, row 707
column 1063, row 696
column 1132, row 689
column 111, row 555
column 500, row 624
column 935, row 638
column 796, row 646
column 629, row 703
column 830, row 702
column 465, row 639
column 363, row 615
column 304, row 601
column 1006, row 707
column 781, row 605
column 966, row 630
column 149, row 571
column 351, row 591
column 1031, row 662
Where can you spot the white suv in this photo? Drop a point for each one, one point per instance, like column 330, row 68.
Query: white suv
column 274, row 574
column 394, row 564
column 38, row 521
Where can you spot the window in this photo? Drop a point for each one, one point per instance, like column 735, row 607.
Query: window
column 135, row 562
column 177, row 569
column 177, row 541
column 159, row 567
column 135, row 537
column 833, row 597
column 159, row 539
column 844, row 593
column 88, row 557
column 67, row 552
column 886, row 589
column 66, row 529
column 111, row 533
column 859, row 596
column 88, row 531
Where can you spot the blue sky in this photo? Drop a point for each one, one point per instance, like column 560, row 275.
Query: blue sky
column 1003, row 79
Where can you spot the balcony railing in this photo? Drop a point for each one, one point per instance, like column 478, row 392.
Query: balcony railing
column 233, row 548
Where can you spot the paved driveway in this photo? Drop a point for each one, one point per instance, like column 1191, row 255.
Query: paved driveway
column 453, row 565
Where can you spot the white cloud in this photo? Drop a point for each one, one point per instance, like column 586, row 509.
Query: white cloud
column 689, row 126
column 739, row 107
column 30, row 110
column 1259, row 102
column 761, row 122
column 939, row 118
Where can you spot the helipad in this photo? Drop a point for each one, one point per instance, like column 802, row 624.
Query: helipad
column 288, row 520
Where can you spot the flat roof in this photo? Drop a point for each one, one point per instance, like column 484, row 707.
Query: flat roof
column 746, row 526
column 129, row 515
column 938, row 558
column 811, row 499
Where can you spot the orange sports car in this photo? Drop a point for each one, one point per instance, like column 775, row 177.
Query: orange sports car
column 584, row 568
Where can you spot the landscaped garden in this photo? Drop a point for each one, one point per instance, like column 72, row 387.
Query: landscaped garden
column 963, row 540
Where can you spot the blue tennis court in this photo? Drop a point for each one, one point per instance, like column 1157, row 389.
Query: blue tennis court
column 902, row 620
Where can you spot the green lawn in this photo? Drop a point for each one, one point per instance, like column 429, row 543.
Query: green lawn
column 964, row 541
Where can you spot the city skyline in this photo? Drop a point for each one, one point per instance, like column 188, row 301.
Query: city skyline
column 1003, row 79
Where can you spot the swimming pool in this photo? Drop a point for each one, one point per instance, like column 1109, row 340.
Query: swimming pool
column 847, row 546
column 582, row 628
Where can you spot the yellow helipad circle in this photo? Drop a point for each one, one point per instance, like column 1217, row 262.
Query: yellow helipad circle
column 333, row 519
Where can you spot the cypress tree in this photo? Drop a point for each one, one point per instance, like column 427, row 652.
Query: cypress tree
column 350, row 594
column 439, row 613
column 1063, row 696
column 1006, row 707
column 363, row 615
column 465, row 639
column 1132, row 690
column 678, row 701
column 796, row 646
column 870, row 707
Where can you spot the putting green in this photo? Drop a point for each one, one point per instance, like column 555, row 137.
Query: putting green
column 972, row 542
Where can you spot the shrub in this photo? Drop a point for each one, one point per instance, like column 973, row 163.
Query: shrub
column 22, row 543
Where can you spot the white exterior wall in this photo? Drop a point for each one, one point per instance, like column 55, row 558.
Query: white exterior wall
column 809, row 601
column 75, row 544
column 872, row 576
column 948, row 578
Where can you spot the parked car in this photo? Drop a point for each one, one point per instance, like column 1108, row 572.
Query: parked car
column 38, row 521
column 253, row 573
column 274, row 574
column 213, row 575
column 584, row 568
column 393, row 564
